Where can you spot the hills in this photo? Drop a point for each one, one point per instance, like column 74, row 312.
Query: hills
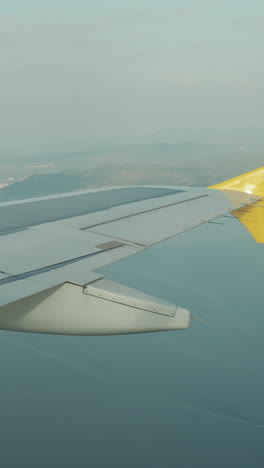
column 40, row 185
column 161, row 163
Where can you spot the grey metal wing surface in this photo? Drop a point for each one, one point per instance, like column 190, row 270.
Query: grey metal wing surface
column 52, row 247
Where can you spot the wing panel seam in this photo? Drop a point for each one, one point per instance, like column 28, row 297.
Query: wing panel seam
column 142, row 212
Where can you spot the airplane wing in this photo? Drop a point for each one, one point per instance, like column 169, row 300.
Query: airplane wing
column 52, row 247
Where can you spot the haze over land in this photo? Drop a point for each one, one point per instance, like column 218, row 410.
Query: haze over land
column 129, row 92
column 213, row 156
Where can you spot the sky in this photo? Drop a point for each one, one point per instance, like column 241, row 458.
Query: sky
column 72, row 69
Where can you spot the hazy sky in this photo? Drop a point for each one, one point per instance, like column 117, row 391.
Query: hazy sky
column 74, row 68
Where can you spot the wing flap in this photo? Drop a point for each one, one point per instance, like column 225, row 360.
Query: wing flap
column 30, row 250
column 154, row 226
column 80, row 272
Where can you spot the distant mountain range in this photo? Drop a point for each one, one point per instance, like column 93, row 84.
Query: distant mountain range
column 39, row 185
column 189, row 163
column 90, row 144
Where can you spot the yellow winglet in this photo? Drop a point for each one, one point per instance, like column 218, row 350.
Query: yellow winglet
column 251, row 216
column 251, row 183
